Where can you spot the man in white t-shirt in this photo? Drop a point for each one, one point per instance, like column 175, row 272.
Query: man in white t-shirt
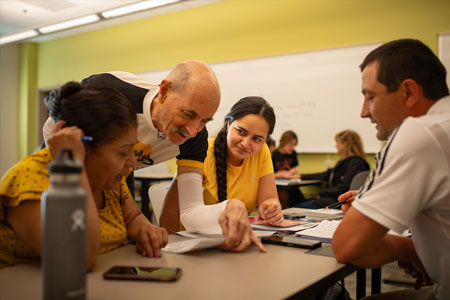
column 406, row 96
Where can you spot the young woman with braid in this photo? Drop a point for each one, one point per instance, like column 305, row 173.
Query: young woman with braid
column 237, row 175
column 238, row 164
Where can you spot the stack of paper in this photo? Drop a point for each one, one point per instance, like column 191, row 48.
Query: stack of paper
column 324, row 231
column 193, row 244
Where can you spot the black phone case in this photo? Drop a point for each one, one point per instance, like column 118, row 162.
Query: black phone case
column 299, row 243
column 115, row 276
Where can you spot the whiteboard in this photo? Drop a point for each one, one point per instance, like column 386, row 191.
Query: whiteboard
column 444, row 52
column 315, row 94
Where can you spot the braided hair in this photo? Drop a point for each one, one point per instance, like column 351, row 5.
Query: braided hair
column 245, row 106
column 101, row 112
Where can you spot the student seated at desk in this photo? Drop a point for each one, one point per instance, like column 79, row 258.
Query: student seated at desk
column 350, row 148
column 238, row 164
column 284, row 157
column 237, row 170
column 285, row 164
column 112, row 214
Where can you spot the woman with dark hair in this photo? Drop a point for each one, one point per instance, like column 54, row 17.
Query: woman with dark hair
column 113, row 216
column 238, row 169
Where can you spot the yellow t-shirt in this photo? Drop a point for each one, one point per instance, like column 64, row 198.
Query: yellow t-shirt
column 26, row 181
column 242, row 181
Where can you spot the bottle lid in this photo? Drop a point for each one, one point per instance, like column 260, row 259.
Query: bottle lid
column 65, row 163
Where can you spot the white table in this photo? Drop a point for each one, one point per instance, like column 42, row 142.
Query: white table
column 296, row 182
column 284, row 185
column 280, row 273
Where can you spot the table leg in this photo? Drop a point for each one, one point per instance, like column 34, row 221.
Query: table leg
column 145, row 201
column 376, row 281
column 360, row 283
column 283, row 196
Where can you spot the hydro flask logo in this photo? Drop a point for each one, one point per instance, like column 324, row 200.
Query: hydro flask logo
column 78, row 217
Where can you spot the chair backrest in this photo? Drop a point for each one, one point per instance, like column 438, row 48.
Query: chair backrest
column 157, row 194
column 358, row 180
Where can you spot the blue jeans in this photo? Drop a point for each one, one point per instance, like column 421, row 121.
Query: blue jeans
column 307, row 204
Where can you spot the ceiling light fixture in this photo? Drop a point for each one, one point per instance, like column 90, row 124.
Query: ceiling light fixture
column 69, row 24
column 124, row 10
column 18, row 36
column 129, row 9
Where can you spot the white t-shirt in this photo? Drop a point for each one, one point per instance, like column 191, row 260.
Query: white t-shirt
column 152, row 146
column 410, row 188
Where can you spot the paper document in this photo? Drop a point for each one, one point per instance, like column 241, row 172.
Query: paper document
column 193, row 244
column 330, row 211
column 264, row 233
column 324, row 231
column 287, row 181
column 277, row 228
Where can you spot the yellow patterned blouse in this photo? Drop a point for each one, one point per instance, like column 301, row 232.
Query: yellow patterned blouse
column 25, row 182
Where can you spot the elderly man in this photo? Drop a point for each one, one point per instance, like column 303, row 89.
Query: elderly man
column 171, row 123
column 406, row 96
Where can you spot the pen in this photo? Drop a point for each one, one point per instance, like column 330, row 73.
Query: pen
column 86, row 139
column 339, row 204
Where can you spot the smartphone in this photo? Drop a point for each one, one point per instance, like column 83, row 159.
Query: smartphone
column 291, row 241
column 143, row 273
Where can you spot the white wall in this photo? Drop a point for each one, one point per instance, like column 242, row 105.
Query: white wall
column 9, row 100
column 316, row 94
column 444, row 52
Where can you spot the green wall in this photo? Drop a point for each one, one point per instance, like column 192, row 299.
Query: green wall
column 235, row 30
column 28, row 53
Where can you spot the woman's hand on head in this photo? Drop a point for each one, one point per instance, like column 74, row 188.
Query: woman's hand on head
column 67, row 137
column 236, row 228
column 270, row 211
column 150, row 240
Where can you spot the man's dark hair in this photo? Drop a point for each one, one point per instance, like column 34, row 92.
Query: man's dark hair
column 409, row 59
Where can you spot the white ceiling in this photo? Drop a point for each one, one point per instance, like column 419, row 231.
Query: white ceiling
column 20, row 15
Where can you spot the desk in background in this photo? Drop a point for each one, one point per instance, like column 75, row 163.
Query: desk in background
column 282, row 272
column 146, row 179
column 284, row 185
column 295, row 182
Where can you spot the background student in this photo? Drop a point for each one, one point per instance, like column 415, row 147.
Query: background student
column 285, row 164
column 112, row 214
column 238, row 170
column 407, row 97
column 352, row 161
column 284, row 157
